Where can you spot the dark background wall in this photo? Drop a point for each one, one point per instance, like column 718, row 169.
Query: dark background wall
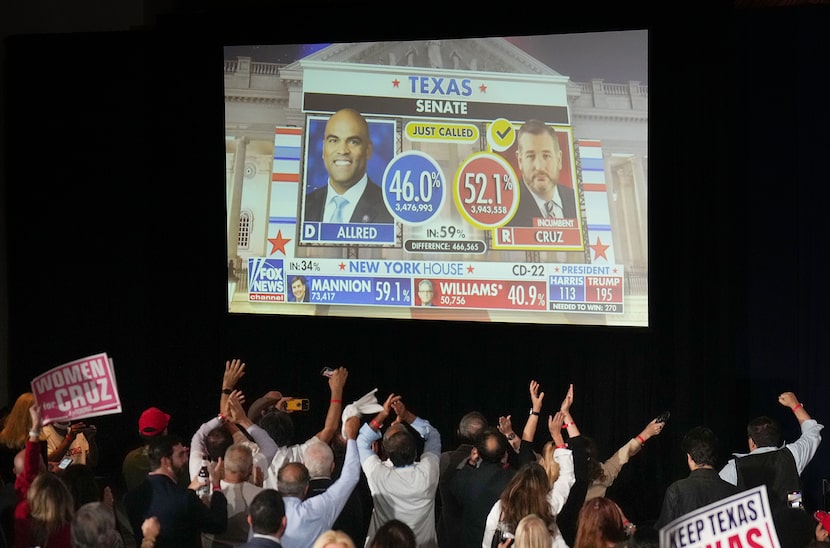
column 115, row 216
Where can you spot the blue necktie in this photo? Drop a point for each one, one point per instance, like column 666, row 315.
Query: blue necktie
column 340, row 203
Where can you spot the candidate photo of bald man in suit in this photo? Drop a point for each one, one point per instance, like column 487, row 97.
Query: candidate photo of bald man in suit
column 349, row 196
column 540, row 163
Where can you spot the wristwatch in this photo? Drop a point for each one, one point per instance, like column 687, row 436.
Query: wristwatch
column 532, row 412
column 511, row 436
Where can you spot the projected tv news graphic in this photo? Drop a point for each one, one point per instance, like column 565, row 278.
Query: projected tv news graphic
column 496, row 188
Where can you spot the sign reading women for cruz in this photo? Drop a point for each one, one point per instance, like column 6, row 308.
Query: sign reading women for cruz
column 78, row 389
column 743, row 520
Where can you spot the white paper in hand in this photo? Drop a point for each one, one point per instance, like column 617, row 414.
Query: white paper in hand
column 366, row 405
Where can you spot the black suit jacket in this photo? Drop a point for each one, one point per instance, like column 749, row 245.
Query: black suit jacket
column 370, row 208
column 528, row 210
column 259, row 542
column 447, row 508
column 475, row 490
column 182, row 515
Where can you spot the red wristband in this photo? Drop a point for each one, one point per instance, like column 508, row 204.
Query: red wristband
column 375, row 423
column 641, row 440
column 336, row 401
column 567, row 424
column 563, row 446
column 797, row 407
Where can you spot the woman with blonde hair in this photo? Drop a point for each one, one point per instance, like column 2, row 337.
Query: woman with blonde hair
column 532, row 532
column 602, row 524
column 334, row 539
column 549, row 463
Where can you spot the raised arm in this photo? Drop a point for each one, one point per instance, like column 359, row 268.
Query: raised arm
column 31, row 463
column 432, row 439
column 565, row 408
column 788, row 399
column 805, row 447
column 337, row 381
column 555, row 427
column 652, row 429
column 234, row 370
column 536, row 397
column 236, row 414
column 234, row 411
column 197, row 446
column 371, row 431
column 561, row 488
column 506, row 428
column 614, row 464
column 377, row 423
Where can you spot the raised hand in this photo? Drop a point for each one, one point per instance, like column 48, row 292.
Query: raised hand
column 281, row 404
column 37, row 418
column 233, row 407
column 568, row 400
column 234, row 370
column 788, row 399
column 337, row 380
column 505, row 424
column 506, row 428
column 652, row 429
column 555, row 427
column 400, row 409
column 391, row 400
column 536, row 397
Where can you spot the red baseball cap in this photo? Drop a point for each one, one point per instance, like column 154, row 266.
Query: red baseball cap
column 824, row 519
column 153, row 422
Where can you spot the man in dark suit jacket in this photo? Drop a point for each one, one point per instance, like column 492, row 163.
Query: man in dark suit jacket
column 478, row 482
column 447, row 507
column 703, row 485
column 529, row 209
column 540, row 162
column 347, row 148
column 267, row 518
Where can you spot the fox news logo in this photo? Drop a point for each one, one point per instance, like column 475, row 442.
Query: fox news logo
column 266, row 278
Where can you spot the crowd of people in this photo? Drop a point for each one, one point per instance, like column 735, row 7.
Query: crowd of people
column 374, row 476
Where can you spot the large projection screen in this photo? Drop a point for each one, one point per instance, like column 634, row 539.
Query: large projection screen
column 505, row 179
